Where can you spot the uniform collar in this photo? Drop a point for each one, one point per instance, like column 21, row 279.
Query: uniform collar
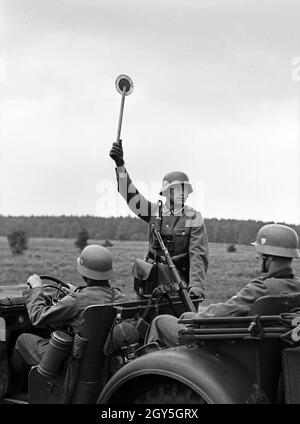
column 93, row 285
column 167, row 210
column 283, row 273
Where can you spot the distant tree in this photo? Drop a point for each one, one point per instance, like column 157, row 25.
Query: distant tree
column 123, row 232
column 131, row 229
column 18, row 242
column 82, row 239
column 229, row 231
column 231, row 248
column 107, row 243
column 75, row 228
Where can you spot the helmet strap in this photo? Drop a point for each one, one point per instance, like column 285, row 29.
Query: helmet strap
column 264, row 267
column 171, row 199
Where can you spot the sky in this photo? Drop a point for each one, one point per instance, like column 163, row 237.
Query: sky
column 216, row 95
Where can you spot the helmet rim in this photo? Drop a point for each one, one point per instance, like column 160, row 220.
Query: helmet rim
column 177, row 182
column 277, row 240
column 282, row 252
column 92, row 274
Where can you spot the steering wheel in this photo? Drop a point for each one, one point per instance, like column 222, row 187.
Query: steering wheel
column 58, row 288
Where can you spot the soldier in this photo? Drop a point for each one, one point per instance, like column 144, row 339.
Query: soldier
column 182, row 229
column 95, row 266
column 276, row 245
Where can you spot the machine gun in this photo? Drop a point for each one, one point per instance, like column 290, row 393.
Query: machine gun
column 183, row 292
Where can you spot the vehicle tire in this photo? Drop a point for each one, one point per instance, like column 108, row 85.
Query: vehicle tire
column 169, row 393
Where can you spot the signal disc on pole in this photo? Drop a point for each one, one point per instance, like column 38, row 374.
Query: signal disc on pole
column 124, row 81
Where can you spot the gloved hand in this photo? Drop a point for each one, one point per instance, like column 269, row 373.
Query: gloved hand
column 116, row 153
column 34, row 281
column 197, row 291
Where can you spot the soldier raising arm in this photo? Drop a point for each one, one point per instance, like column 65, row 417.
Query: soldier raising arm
column 182, row 229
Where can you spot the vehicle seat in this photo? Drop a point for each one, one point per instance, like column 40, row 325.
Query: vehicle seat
column 275, row 305
column 97, row 321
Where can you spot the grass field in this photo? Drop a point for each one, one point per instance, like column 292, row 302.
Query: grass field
column 228, row 272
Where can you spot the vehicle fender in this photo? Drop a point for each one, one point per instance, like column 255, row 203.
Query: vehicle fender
column 217, row 378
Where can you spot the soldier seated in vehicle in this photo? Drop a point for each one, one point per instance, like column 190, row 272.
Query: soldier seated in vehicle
column 95, row 265
column 276, row 245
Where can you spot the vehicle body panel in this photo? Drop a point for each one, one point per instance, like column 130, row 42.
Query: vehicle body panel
column 216, row 378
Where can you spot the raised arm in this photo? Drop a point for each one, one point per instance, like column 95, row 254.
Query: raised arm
column 137, row 203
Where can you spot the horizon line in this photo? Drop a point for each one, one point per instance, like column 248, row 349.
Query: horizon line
column 136, row 217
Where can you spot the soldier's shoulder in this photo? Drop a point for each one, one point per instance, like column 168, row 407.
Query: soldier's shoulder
column 191, row 211
column 273, row 279
column 195, row 215
column 79, row 289
column 272, row 282
column 188, row 208
column 119, row 295
column 259, row 280
column 297, row 278
column 117, row 289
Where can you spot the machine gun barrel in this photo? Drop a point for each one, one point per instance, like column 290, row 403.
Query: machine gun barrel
column 183, row 291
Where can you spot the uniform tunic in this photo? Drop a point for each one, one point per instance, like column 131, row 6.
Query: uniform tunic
column 66, row 312
column 182, row 232
column 164, row 328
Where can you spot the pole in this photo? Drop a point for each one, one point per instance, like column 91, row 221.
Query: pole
column 121, row 114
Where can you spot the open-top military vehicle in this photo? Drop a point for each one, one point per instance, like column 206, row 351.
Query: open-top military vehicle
column 85, row 371
column 252, row 359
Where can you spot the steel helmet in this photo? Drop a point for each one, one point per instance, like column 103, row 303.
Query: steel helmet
column 277, row 240
column 173, row 178
column 95, row 262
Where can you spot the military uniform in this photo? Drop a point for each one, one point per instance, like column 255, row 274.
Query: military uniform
column 164, row 328
column 183, row 233
column 66, row 312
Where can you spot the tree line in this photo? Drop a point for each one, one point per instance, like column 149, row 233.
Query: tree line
column 123, row 228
